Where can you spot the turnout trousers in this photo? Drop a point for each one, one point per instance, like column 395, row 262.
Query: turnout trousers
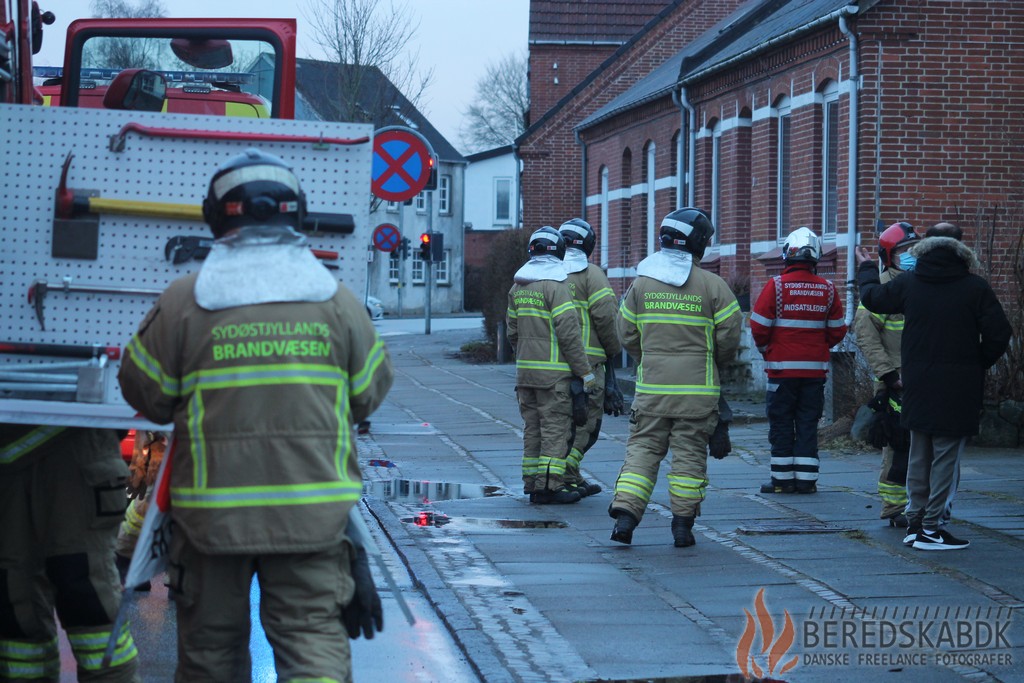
column 794, row 405
column 60, row 518
column 301, row 597
column 933, row 475
column 892, row 482
column 650, row 439
column 547, row 426
column 586, row 436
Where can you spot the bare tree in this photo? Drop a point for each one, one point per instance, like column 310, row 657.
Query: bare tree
column 125, row 53
column 498, row 116
column 363, row 36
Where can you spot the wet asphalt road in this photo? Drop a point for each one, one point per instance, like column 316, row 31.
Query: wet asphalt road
column 508, row 591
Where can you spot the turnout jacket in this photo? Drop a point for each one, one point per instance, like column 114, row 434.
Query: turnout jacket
column 263, row 398
column 797, row 318
column 544, row 330
column 594, row 299
column 679, row 335
column 955, row 329
column 878, row 335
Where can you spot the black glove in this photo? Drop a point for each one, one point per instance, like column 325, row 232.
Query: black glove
column 613, row 402
column 719, row 445
column 878, row 430
column 364, row 613
column 892, row 380
column 578, row 392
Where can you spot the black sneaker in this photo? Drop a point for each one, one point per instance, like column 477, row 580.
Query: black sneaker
column 788, row 487
column 939, row 540
column 913, row 529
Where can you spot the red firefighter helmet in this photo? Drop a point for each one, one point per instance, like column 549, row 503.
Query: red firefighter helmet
column 891, row 239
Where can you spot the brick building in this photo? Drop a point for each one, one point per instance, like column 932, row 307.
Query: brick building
column 772, row 114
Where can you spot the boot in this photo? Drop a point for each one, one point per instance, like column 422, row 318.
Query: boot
column 587, row 488
column 625, row 522
column 681, row 527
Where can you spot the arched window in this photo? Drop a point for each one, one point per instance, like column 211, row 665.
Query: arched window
column 650, row 179
column 604, row 217
column 829, row 157
column 783, row 170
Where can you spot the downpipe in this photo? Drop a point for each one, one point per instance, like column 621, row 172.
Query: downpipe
column 851, row 192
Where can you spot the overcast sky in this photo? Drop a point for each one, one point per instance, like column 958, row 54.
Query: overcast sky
column 459, row 38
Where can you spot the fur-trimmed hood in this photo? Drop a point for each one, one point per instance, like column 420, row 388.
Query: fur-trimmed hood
column 930, row 244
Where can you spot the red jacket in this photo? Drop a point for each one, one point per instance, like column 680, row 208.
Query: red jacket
column 796, row 320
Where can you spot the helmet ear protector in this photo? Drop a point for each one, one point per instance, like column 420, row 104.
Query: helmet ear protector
column 254, row 188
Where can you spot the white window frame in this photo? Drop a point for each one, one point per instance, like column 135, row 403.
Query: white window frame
column 783, row 186
column 498, row 220
column 393, row 207
column 443, row 268
column 830, row 161
column 419, row 273
column 444, row 195
column 651, row 181
column 395, row 267
column 604, row 217
column 716, row 181
column 421, row 202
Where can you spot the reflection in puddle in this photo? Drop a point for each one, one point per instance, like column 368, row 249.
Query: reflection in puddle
column 437, row 519
column 410, row 491
column 716, row 678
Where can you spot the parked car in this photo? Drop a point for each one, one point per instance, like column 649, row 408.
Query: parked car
column 374, row 308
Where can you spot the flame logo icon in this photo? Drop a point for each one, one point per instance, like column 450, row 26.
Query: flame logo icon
column 778, row 649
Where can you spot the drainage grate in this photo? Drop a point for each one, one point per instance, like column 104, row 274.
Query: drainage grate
column 790, row 527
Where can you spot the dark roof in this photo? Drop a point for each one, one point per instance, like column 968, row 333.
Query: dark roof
column 318, row 83
column 757, row 24
column 754, row 25
column 489, row 153
column 590, row 21
column 569, row 96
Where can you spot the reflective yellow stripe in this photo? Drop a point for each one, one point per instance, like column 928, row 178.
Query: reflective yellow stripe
column 635, row 484
column 530, row 466
column 89, row 648
column 687, row 487
column 551, row 465
column 266, row 496
column 892, row 494
column 677, row 389
column 729, row 310
column 29, row 659
column 541, row 365
column 28, row 443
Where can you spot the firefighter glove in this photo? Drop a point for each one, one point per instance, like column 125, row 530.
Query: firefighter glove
column 892, row 380
column 719, row 445
column 613, row 401
column 364, row 614
column 578, row 393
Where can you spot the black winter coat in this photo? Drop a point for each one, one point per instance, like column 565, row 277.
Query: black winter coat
column 954, row 330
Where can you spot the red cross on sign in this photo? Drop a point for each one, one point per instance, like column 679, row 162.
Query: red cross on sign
column 402, row 161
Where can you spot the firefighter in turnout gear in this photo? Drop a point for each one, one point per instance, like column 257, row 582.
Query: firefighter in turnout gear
column 680, row 324
column 878, row 335
column 263, row 363
column 796, row 320
column 544, row 330
column 62, row 495
column 595, row 301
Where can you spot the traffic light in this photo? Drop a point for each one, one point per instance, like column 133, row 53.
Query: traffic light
column 425, row 246
column 437, row 247
column 432, row 180
column 404, row 249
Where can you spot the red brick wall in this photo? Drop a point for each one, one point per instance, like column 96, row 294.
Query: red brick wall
column 551, row 157
column 575, row 62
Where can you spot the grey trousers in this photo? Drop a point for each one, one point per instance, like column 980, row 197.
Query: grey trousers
column 933, row 474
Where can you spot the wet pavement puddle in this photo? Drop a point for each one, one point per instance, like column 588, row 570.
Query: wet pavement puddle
column 426, row 492
column 437, row 519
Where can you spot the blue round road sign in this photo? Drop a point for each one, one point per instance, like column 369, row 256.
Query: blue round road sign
column 401, row 164
column 386, row 237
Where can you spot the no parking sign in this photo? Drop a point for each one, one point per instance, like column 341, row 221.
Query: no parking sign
column 401, row 164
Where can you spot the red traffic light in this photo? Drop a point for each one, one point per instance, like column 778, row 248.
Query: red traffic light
column 425, row 239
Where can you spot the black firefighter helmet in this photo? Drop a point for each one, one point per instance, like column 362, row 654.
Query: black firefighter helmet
column 687, row 229
column 254, row 188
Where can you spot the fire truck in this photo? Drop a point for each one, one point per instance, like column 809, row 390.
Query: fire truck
column 107, row 158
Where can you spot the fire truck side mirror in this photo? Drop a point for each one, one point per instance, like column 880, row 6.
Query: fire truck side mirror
column 137, row 90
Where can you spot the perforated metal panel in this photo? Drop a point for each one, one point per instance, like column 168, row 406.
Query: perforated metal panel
column 34, row 142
